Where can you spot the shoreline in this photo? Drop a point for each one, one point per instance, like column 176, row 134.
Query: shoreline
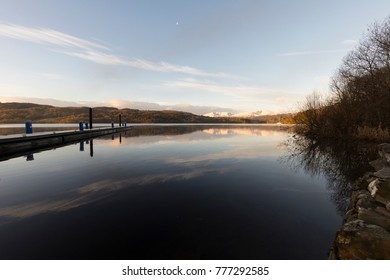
column 365, row 232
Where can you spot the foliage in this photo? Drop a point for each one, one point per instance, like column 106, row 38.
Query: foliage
column 360, row 93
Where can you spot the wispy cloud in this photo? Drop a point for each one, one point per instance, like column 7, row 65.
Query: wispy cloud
column 46, row 36
column 240, row 91
column 94, row 52
column 213, row 87
column 300, row 53
column 110, row 59
column 95, row 191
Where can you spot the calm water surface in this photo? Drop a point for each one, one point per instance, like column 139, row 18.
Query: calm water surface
column 166, row 192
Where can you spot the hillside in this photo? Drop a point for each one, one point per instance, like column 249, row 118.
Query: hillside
column 20, row 112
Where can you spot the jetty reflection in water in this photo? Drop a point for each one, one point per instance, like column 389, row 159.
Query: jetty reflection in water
column 166, row 192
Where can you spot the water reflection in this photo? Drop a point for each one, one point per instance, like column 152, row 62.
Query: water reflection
column 158, row 133
column 29, row 157
column 190, row 133
column 88, row 142
column 185, row 166
column 82, row 146
column 342, row 163
column 90, row 148
column 165, row 192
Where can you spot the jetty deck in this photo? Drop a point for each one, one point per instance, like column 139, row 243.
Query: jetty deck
column 19, row 144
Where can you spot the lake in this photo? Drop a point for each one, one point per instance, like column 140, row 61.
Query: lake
column 167, row 192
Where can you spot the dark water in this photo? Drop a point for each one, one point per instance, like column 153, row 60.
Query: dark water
column 180, row 192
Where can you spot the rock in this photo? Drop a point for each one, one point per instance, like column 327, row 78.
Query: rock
column 384, row 173
column 351, row 215
column 370, row 178
column 384, row 189
column 358, row 240
column 383, row 211
column 364, row 200
column 362, row 182
column 382, row 200
column 362, row 194
column 378, row 164
column 382, row 192
column 372, row 217
column 373, row 187
column 384, row 151
column 365, row 233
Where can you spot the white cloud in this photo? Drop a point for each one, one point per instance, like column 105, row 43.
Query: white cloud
column 43, row 101
column 46, row 36
column 110, row 59
column 91, row 51
column 300, row 53
column 239, row 91
column 212, row 87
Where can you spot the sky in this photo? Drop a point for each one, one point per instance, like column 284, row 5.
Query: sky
column 197, row 56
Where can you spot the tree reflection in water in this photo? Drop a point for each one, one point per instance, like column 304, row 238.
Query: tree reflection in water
column 341, row 163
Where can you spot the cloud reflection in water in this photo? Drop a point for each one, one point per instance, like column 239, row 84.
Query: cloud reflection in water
column 238, row 143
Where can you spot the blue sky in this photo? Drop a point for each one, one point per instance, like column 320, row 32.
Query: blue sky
column 198, row 56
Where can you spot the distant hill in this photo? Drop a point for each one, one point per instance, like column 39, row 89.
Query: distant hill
column 257, row 117
column 14, row 112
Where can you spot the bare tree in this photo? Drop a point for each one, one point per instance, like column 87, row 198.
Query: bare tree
column 360, row 88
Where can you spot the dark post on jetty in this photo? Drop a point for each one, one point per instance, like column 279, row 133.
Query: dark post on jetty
column 120, row 120
column 90, row 118
column 29, row 127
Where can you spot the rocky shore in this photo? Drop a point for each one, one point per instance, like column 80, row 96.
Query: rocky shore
column 365, row 233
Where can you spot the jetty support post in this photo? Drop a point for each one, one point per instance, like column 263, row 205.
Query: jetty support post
column 90, row 118
column 120, row 120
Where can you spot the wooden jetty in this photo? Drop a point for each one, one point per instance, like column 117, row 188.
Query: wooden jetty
column 13, row 145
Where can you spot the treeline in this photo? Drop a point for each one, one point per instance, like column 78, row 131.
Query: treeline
column 359, row 105
column 278, row 118
column 20, row 112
